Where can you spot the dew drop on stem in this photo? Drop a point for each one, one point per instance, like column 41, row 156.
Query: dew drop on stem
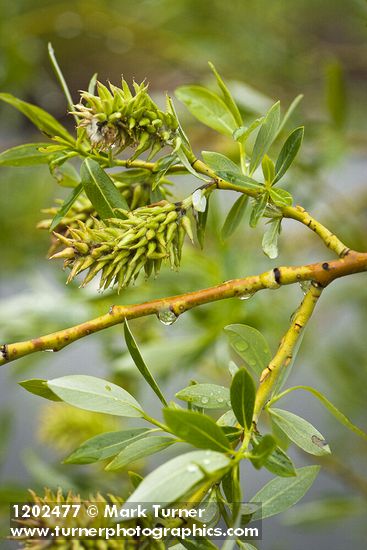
column 246, row 295
column 167, row 316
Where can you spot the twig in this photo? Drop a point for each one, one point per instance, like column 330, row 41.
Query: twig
column 321, row 273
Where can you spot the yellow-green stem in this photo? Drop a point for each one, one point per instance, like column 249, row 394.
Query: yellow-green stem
column 284, row 355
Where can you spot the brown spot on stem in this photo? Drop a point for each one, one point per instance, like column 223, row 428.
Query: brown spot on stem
column 325, row 266
column 277, row 275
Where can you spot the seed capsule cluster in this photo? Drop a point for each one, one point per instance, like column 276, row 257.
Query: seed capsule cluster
column 120, row 249
column 116, row 117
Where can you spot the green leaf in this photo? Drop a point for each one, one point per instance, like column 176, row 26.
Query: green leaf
column 180, row 475
column 242, row 181
column 234, row 217
column 140, row 449
column 258, row 209
column 336, row 94
column 195, row 544
column 95, row 394
column 201, row 221
column 197, row 429
column 101, row 190
column 328, row 510
column 261, row 452
column 270, row 238
column 207, row 396
column 278, row 462
column 25, row 155
column 64, row 174
column 331, row 408
column 265, row 137
column 281, row 197
column 288, row 153
column 301, row 432
column 40, row 118
column 219, row 162
column 268, row 169
column 243, row 397
column 250, row 345
column 64, row 209
column 281, row 493
column 104, row 446
column 243, row 132
column 140, row 363
column 227, row 96
column 39, row 387
column 289, row 112
column 208, row 108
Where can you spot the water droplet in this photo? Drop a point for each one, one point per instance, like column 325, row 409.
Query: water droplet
column 49, row 350
column 241, row 345
column 246, row 295
column 206, row 461
column 204, row 400
column 305, row 286
column 108, row 388
column 220, row 399
column 208, row 453
column 192, row 468
column 167, row 316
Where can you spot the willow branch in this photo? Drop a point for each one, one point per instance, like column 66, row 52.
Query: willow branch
column 321, row 273
column 294, row 212
column 284, row 355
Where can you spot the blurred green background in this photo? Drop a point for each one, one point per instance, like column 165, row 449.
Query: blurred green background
column 265, row 50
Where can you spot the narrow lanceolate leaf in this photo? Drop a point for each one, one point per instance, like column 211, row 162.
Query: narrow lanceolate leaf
column 208, row 108
column 289, row 112
column 227, row 96
column 140, row 449
column 280, row 197
column 270, row 238
column 39, row 387
column 288, row 153
column 250, row 345
column 281, row 493
column 301, row 432
column 258, row 209
column 268, row 169
column 198, row 429
column 140, row 363
column 64, row 209
column 331, row 408
column 261, row 452
column 177, row 477
column 40, row 118
column 336, row 94
column 234, row 217
column 101, row 190
column 278, row 462
column 201, row 221
column 95, row 394
column 105, row 445
column 207, row 396
column 219, row 162
column 25, row 155
column 265, row 137
column 243, row 397
column 242, row 181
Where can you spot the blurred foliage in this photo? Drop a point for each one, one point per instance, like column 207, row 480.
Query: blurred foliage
column 316, row 47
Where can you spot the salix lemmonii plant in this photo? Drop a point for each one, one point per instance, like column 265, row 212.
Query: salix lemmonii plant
column 121, row 220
